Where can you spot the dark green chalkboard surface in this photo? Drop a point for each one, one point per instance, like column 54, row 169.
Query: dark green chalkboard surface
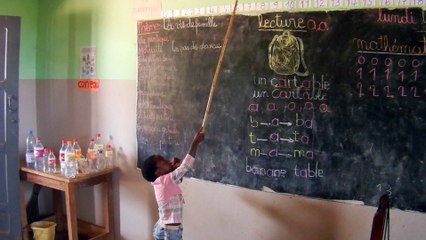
column 323, row 104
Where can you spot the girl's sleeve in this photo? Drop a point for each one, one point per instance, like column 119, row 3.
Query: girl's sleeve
column 184, row 167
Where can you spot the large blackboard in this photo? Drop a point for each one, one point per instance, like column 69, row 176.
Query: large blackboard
column 321, row 104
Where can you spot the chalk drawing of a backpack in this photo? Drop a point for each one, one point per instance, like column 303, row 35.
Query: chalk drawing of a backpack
column 285, row 55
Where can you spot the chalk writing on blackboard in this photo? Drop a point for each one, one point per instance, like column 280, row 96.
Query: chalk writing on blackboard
column 190, row 23
column 288, row 133
column 388, row 78
column 387, row 17
column 281, row 22
column 348, row 123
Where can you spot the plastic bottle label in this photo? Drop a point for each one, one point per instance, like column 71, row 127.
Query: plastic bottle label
column 38, row 153
column 52, row 161
column 69, row 157
column 77, row 154
column 92, row 155
column 30, row 157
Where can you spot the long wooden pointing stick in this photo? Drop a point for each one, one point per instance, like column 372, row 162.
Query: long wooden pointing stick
column 219, row 63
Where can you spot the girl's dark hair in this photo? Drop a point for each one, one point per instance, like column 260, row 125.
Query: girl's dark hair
column 148, row 168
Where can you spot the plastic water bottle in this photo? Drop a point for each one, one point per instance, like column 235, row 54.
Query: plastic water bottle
column 92, row 156
column 101, row 160
column 46, row 160
column 70, row 164
column 62, row 156
column 83, row 165
column 77, row 151
column 52, row 162
column 38, row 155
column 109, row 156
column 98, row 142
column 29, row 153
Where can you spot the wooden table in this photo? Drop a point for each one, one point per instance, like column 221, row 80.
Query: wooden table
column 60, row 184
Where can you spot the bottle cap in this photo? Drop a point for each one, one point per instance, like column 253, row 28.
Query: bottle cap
column 30, row 131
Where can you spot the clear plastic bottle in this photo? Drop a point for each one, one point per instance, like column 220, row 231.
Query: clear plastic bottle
column 77, row 150
column 101, row 160
column 98, row 142
column 46, row 160
column 29, row 153
column 109, row 156
column 52, row 162
column 62, row 156
column 38, row 155
column 92, row 156
column 83, row 166
column 70, row 164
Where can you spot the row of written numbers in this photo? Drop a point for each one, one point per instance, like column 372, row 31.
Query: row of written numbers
column 291, row 5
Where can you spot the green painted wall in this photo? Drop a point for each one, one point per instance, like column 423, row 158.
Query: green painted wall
column 67, row 26
column 52, row 33
column 28, row 11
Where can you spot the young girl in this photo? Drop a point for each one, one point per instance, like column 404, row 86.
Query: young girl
column 165, row 176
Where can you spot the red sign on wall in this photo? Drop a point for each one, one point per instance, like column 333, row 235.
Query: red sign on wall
column 88, row 85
